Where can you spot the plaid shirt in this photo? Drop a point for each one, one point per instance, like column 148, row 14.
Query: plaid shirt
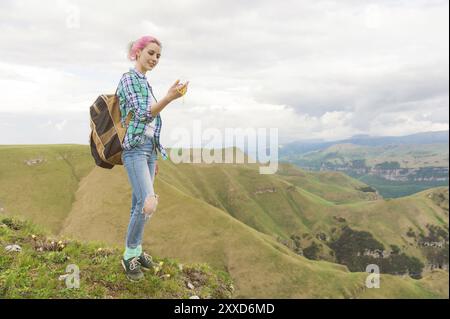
column 134, row 96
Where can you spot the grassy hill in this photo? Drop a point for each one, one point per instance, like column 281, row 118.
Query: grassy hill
column 43, row 188
column 38, row 270
column 335, row 187
column 228, row 216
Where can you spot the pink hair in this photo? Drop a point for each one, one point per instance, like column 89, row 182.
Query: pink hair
column 140, row 44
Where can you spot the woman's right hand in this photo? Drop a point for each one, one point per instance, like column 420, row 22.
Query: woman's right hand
column 174, row 93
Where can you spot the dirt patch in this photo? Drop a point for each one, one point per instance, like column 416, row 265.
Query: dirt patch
column 196, row 277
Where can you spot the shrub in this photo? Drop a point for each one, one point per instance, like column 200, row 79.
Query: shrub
column 312, row 252
column 357, row 249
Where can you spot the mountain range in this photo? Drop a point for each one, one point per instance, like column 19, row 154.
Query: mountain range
column 394, row 166
column 304, row 146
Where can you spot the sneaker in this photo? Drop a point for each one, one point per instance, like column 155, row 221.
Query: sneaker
column 146, row 261
column 132, row 268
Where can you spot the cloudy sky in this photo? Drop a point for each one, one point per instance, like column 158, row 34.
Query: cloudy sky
column 313, row 69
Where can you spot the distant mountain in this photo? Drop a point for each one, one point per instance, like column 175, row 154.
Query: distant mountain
column 395, row 165
column 419, row 138
column 305, row 146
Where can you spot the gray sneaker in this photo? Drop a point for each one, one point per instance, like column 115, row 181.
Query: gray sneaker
column 132, row 268
column 146, row 261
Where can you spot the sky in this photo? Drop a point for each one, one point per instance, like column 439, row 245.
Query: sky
column 313, row 69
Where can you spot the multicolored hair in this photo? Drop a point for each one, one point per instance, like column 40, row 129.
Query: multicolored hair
column 140, row 44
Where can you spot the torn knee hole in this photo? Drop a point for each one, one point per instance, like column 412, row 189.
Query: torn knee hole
column 150, row 204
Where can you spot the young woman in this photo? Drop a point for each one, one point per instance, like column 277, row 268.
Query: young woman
column 141, row 144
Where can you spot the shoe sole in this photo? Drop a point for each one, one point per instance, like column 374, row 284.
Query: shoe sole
column 129, row 278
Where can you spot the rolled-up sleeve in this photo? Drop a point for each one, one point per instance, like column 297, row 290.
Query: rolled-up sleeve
column 137, row 101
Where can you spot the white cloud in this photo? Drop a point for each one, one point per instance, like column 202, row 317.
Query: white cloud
column 314, row 69
column 60, row 126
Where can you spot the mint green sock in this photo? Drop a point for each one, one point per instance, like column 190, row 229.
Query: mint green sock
column 130, row 253
column 139, row 250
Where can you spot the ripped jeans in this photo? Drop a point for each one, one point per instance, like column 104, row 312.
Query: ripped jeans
column 139, row 163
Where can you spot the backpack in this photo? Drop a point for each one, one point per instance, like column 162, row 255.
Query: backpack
column 107, row 132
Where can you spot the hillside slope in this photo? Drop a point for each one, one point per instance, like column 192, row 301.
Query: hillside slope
column 226, row 215
column 38, row 182
column 194, row 231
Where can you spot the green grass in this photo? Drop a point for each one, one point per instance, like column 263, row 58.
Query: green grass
column 390, row 220
column 31, row 273
column 332, row 186
column 43, row 192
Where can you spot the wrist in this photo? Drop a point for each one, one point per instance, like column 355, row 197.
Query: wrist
column 167, row 99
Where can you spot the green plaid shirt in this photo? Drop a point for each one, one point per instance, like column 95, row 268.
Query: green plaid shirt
column 134, row 96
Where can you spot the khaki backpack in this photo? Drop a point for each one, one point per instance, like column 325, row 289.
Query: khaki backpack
column 107, row 132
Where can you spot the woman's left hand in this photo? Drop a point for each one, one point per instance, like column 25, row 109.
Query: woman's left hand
column 156, row 168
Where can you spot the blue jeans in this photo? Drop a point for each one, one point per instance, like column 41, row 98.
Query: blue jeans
column 139, row 163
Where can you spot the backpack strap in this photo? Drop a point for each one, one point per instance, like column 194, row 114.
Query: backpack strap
column 151, row 91
column 117, row 89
